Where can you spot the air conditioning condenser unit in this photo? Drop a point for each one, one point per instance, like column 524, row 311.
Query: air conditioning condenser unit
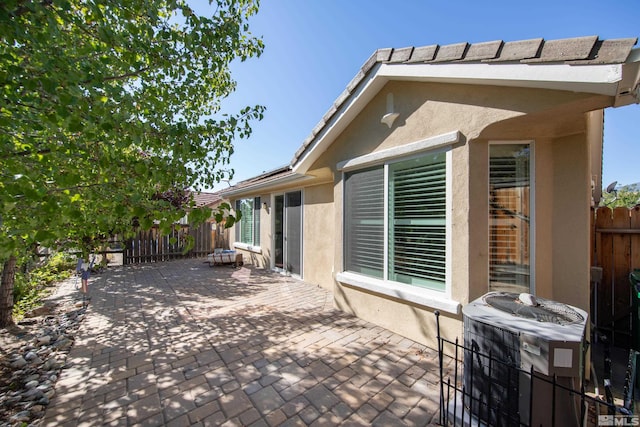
column 506, row 335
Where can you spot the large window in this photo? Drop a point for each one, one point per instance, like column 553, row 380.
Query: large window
column 408, row 245
column 248, row 229
column 510, row 217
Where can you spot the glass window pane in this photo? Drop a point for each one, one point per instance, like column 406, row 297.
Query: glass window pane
column 509, row 217
column 246, row 222
column 417, row 221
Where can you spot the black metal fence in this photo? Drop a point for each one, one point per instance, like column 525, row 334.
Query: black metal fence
column 485, row 390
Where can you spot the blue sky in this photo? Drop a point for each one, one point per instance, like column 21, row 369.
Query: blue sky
column 313, row 49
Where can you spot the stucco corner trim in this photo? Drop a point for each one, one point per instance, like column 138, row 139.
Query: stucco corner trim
column 400, row 291
column 246, row 247
column 431, row 143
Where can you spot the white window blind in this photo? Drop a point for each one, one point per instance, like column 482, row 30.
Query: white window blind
column 364, row 222
column 417, row 221
column 244, row 228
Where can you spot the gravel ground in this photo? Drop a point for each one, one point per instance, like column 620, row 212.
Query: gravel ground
column 33, row 351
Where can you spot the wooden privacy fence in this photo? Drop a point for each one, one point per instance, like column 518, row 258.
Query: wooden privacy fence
column 616, row 250
column 151, row 246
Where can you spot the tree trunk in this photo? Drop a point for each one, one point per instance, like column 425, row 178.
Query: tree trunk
column 6, row 292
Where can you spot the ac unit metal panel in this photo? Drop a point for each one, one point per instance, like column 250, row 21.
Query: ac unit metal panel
column 484, row 379
column 552, row 346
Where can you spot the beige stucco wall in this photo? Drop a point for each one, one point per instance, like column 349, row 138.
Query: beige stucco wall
column 545, row 167
column 319, row 235
column 555, row 121
column 571, row 223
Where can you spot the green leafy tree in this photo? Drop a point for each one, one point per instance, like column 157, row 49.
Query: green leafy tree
column 108, row 112
column 627, row 196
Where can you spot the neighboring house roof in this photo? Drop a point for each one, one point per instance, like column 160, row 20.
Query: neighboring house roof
column 206, row 199
column 582, row 64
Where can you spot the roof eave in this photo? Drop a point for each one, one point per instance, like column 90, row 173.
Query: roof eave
column 597, row 79
column 629, row 87
column 601, row 79
column 344, row 114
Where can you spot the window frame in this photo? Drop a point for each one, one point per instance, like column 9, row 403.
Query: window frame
column 392, row 231
column 439, row 299
column 254, row 245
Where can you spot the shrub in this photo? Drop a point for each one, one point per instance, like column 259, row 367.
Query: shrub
column 31, row 287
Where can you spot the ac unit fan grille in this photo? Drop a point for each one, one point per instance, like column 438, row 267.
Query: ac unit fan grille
column 545, row 311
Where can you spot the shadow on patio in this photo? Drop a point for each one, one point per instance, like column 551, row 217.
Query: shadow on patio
column 181, row 343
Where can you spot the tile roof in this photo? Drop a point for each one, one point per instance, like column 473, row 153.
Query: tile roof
column 588, row 50
column 264, row 178
column 205, row 199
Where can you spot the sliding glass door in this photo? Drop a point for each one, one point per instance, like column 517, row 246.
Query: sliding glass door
column 288, row 232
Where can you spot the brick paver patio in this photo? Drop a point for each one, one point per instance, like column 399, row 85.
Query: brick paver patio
column 179, row 343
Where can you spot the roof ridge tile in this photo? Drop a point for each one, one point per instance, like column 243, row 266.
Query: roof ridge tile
column 561, row 50
column 355, row 81
column 451, row 52
column 518, row 50
column 402, row 54
column 610, row 51
column 484, row 50
column 370, row 62
column 423, row 53
column 383, row 55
